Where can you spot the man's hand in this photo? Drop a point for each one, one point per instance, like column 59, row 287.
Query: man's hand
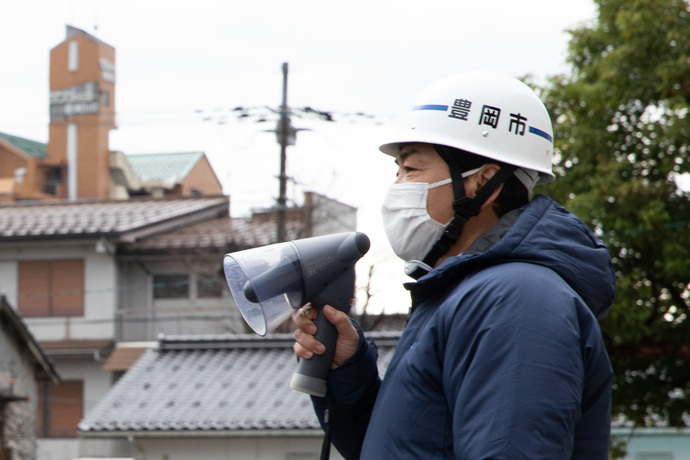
column 307, row 346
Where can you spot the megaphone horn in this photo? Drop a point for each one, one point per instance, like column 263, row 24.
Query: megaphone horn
column 269, row 282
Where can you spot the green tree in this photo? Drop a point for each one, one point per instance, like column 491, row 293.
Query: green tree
column 622, row 132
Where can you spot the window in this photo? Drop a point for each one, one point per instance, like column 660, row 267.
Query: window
column 53, row 180
column 51, row 288
column 209, row 285
column 73, row 56
column 72, row 164
column 105, row 99
column 171, row 286
column 60, row 409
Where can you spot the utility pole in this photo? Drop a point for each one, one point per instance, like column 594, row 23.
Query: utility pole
column 283, row 127
column 286, row 135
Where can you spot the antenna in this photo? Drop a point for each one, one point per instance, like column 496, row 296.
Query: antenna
column 95, row 17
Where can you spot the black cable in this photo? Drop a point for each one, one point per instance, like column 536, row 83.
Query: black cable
column 326, row 446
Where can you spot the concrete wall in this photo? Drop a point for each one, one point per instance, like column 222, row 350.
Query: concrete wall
column 654, row 443
column 231, row 448
column 57, row 449
column 142, row 317
column 330, row 216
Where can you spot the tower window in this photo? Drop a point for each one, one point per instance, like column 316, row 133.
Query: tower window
column 53, row 180
column 73, row 56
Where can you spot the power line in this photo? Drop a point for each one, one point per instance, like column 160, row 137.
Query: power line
column 286, row 135
column 218, row 115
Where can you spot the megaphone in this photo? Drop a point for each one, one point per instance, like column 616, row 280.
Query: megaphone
column 269, row 282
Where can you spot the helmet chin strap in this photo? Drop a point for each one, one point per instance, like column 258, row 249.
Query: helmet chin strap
column 464, row 207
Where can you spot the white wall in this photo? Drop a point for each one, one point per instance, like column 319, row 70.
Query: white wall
column 331, row 216
column 146, row 317
column 57, row 449
column 655, row 443
column 8, row 279
column 231, row 448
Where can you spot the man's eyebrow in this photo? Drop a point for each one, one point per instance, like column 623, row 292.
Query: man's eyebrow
column 403, row 156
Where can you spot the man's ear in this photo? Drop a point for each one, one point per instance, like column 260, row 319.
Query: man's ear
column 485, row 174
column 476, row 181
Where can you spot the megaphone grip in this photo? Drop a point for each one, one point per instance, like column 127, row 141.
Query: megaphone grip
column 312, row 374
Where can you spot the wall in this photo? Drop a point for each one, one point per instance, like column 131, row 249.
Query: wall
column 100, row 284
column 31, row 186
column 329, row 216
column 57, row 449
column 655, row 443
column 231, row 448
column 142, row 317
column 202, row 178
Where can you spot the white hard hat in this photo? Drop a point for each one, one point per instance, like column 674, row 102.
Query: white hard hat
column 484, row 113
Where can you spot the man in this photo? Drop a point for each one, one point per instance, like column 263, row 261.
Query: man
column 502, row 357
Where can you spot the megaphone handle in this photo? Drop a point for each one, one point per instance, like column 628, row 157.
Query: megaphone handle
column 311, row 374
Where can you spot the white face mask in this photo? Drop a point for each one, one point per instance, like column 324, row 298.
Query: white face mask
column 410, row 230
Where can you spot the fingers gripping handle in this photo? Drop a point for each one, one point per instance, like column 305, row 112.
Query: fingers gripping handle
column 311, row 374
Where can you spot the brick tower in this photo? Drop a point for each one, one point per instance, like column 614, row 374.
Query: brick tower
column 82, row 113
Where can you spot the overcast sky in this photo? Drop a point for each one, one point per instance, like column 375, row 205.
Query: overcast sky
column 181, row 66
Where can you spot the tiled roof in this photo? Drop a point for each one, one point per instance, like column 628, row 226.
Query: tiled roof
column 167, row 167
column 116, row 218
column 31, row 148
column 220, row 232
column 231, row 383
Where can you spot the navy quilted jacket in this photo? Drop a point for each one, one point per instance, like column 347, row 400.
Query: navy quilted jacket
column 502, row 357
